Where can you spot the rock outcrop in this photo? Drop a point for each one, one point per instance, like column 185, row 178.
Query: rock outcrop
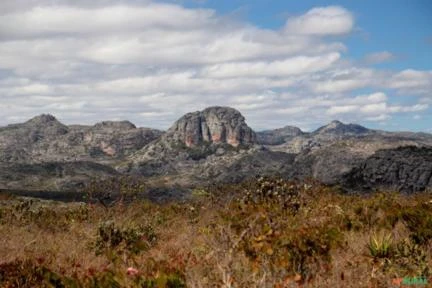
column 406, row 169
column 339, row 129
column 278, row 136
column 213, row 145
column 212, row 125
column 44, row 138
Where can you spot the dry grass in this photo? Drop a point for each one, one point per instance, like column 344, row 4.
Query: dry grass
column 310, row 236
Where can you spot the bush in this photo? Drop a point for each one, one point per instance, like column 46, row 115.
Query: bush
column 418, row 219
column 113, row 190
column 273, row 191
column 410, row 259
column 131, row 240
column 310, row 247
column 28, row 274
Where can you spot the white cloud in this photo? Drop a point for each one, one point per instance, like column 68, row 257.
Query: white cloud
column 412, row 81
column 149, row 62
column 52, row 21
column 373, row 107
column 336, row 110
column 287, row 67
column 331, row 20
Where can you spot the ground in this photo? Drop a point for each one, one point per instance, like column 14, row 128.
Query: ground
column 262, row 233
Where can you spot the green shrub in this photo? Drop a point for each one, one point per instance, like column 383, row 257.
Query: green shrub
column 168, row 281
column 126, row 240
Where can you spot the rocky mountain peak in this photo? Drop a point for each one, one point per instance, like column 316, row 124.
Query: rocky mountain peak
column 215, row 125
column 335, row 123
column 43, row 119
column 290, row 130
column 338, row 128
column 44, row 125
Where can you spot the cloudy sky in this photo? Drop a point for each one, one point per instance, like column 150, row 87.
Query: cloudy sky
column 283, row 62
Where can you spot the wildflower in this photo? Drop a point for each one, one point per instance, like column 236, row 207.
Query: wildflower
column 132, row 271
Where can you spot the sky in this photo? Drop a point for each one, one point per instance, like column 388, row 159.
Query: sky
column 288, row 62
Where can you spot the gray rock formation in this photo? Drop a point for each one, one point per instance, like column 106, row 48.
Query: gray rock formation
column 202, row 147
column 339, row 129
column 213, row 125
column 44, row 138
column 43, row 153
column 197, row 148
column 278, row 136
column 407, row 169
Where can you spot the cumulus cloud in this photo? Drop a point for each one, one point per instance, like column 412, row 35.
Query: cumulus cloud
column 331, row 20
column 374, row 107
column 412, row 81
column 150, row 62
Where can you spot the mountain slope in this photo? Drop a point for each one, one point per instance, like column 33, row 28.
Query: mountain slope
column 278, row 136
column 44, row 138
column 406, row 169
column 213, row 145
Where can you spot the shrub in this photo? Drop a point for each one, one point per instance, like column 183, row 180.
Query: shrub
column 419, row 221
column 28, row 274
column 273, row 191
column 46, row 215
column 410, row 259
column 123, row 240
column 113, row 190
column 309, row 247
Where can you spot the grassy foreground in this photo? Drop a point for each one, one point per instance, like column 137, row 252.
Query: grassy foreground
column 263, row 233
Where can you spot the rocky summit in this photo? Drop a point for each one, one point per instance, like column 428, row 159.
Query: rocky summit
column 214, row 145
column 212, row 125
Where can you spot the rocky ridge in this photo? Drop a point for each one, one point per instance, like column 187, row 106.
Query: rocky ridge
column 407, row 169
column 44, row 139
column 203, row 147
column 278, row 136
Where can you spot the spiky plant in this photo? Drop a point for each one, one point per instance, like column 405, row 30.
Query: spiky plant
column 380, row 245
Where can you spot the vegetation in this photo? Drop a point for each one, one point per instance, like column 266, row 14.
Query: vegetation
column 261, row 233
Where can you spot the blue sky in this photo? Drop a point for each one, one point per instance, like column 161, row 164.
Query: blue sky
column 300, row 63
column 402, row 26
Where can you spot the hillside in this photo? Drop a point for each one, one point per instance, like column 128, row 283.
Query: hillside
column 211, row 146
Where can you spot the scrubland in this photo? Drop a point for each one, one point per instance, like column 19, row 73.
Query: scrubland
column 266, row 232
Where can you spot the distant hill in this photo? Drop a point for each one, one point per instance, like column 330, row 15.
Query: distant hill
column 210, row 146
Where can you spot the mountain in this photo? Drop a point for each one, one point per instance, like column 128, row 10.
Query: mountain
column 212, row 125
column 214, row 145
column 329, row 152
column 197, row 146
column 44, row 138
column 339, row 129
column 278, row 136
column 43, row 153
